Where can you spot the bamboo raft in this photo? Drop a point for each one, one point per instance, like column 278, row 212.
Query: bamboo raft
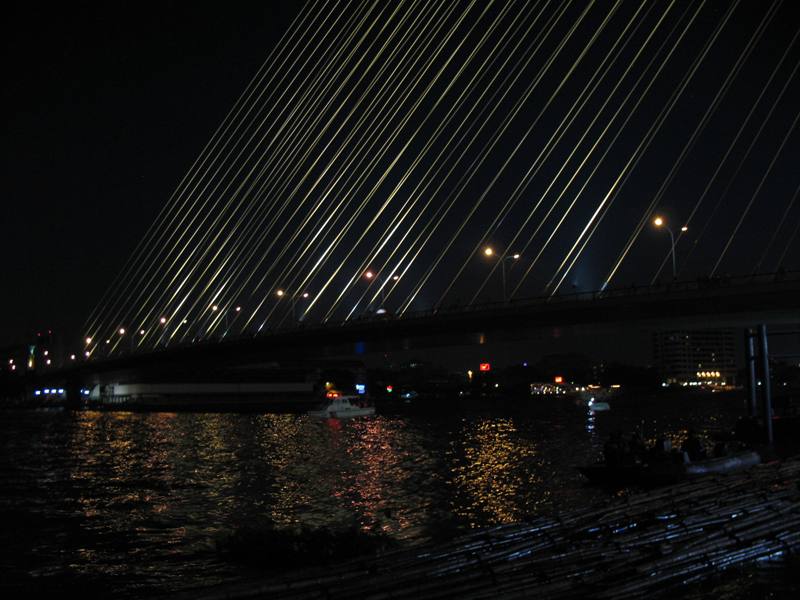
column 645, row 545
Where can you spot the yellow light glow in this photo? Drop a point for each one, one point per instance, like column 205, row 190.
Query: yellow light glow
column 369, row 274
column 279, row 293
column 658, row 221
column 122, row 331
column 488, row 251
column 88, row 340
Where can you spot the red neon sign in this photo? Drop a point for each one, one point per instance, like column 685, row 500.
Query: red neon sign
column 485, row 367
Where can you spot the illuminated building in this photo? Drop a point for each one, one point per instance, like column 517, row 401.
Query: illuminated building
column 705, row 357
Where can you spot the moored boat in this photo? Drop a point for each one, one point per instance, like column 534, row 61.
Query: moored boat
column 339, row 407
column 666, row 472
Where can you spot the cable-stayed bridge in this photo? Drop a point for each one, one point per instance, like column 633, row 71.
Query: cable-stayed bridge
column 411, row 156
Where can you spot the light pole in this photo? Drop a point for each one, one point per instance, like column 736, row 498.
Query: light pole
column 489, row 252
column 660, row 222
column 293, row 299
column 370, row 275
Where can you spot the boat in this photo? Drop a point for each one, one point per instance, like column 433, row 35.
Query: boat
column 598, row 405
column 337, row 406
column 666, row 472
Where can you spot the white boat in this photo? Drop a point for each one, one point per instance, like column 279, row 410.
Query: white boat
column 597, row 405
column 342, row 407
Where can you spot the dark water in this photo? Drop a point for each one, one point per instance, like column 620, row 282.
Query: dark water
column 133, row 504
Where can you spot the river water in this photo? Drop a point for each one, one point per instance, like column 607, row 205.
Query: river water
column 135, row 504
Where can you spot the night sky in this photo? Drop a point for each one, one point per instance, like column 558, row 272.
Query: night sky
column 107, row 108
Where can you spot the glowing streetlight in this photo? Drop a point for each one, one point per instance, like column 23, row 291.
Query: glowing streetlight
column 72, row 357
column 122, row 331
column 660, row 222
column 163, row 320
column 88, row 341
column 293, row 298
column 371, row 275
column 488, row 251
column 142, row 332
column 214, row 307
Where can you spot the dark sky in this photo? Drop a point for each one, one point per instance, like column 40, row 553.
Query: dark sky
column 106, row 104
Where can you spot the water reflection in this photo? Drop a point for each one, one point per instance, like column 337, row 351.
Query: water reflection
column 492, row 471
column 134, row 503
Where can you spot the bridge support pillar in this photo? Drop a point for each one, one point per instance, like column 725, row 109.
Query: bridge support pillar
column 766, row 386
column 750, row 364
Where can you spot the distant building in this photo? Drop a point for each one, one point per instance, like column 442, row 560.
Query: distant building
column 704, row 357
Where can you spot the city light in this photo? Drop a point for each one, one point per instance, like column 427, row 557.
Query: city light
column 214, row 307
column 305, row 294
column 658, row 221
column 485, row 367
column 88, row 341
column 142, row 332
column 238, row 309
column 122, row 331
column 488, row 251
column 163, row 320
column 279, row 293
column 369, row 274
column 72, row 357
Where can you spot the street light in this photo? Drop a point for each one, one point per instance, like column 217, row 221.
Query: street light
column 489, row 251
column 294, row 298
column 370, row 275
column 660, row 222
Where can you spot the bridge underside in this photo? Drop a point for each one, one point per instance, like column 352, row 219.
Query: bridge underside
column 595, row 324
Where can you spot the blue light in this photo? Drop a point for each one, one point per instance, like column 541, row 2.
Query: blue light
column 37, row 392
column 46, row 390
column 60, row 390
column 361, row 388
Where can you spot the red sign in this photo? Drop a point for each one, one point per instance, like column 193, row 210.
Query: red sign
column 485, row 367
column 558, row 379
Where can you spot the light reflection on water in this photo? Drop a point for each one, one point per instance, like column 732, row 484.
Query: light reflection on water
column 129, row 503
